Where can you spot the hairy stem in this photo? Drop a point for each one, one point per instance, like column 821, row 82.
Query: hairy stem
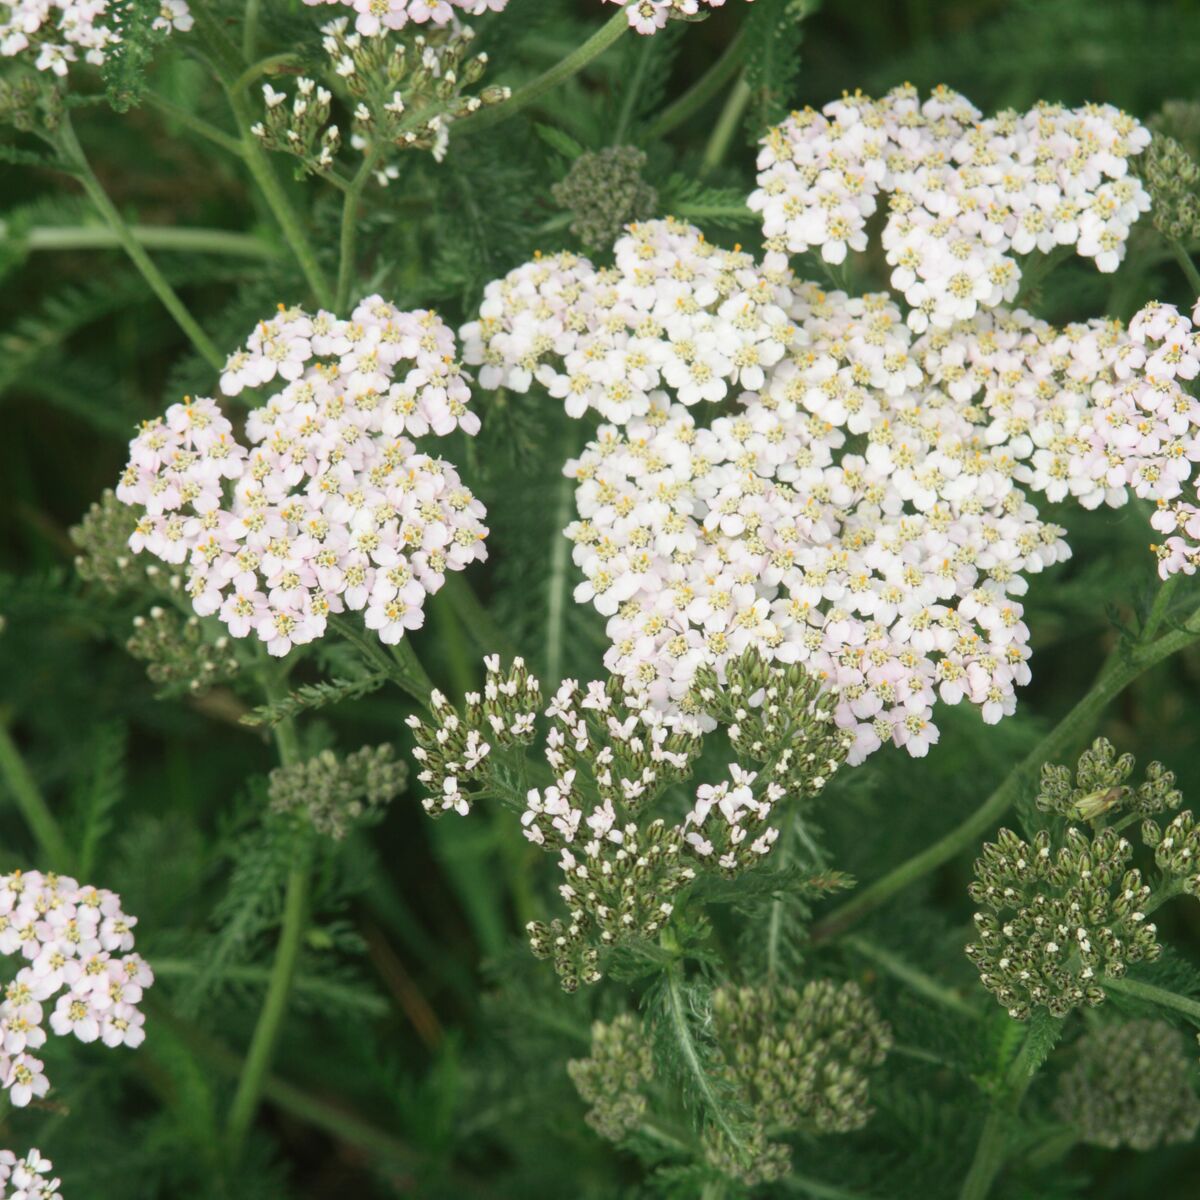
column 134, row 249
column 1122, row 667
column 1154, row 995
column 992, row 1149
column 152, row 237
column 572, row 64
column 726, row 127
column 556, row 585
column 196, row 124
column 21, row 786
column 287, row 952
column 691, row 1055
column 912, row 977
column 349, row 232
column 1184, row 259
column 701, row 92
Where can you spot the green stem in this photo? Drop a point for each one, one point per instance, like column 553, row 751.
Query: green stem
column 166, row 294
column 912, row 977
column 1184, row 259
column 250, row 29
column 287, row 953
column 152, row 237
column 992, row 1149
column 632, row 91
column 1154, row 995
column 726, row 127
column 480, row 623
column 701, row 92
column 572, row 64
column 264, row 66
column 1122, row 667
column 691, row 1056
column 556, row 585
column 350, row 204
column 31, row 804
column 231, row 70
column 196, row 124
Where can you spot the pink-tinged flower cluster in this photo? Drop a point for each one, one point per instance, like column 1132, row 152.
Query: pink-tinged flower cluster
column 649, row 16
column 965, row 195
column 27, row 1178
column 674, row 312
column 75, row 942
column 331, row 507
column 376, row 16
column 60, row 32
column 865, row 508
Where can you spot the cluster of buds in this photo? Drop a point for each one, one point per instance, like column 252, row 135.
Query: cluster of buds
column 612, row 757
column 457, row 748
column 604, row 191
column 1100, row 787
column 28, row 103
column 1176, row 851
column 179, row 653
column 332, row 793
column 1054, row 922
column 104, row 558
column 752, row 1161
column 800, row 1058
column 779, row 716
column 609, row 1081
column 618, row 889
column 1173, row 180
column 402, row 93
column 1130, row 1086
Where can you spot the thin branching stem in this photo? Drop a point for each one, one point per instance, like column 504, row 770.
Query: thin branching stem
column 17, row 780
column 1138, row 990
column 287, row 952
column 570, row 65
column 1187, row 266
column 70, row 147
column 701, row 92
column 152, row 237
column 1122, row 667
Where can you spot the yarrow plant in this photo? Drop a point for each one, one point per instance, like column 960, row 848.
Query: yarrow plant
column 621, row 481
column 330, row 507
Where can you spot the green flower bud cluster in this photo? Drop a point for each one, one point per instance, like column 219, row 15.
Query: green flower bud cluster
column 800, row 1058
column 1101, row 786
column 1177, row 850
column 178, row 652
column 104, row 558
column 610, row 1080
column 1055, row 919
column 403, row 94
column 604, row 191
column 1131, row 1086
column 30, row 102
column 456, row 747
column 1173, row 181
column 332, row 793
column 756, row 1161
column 1180, row 119
column 778, row 716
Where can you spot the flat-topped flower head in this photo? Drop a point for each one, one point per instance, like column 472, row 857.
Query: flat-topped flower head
column 965, row 196
column 331, row 506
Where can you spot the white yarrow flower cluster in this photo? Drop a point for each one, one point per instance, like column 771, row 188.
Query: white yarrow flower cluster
column 27, row 1178
column 863, row 510
column 375, row 16
column 62, row 32
column 75, row 943
column 965, row 195
column 674, row 312
column 332, row 507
